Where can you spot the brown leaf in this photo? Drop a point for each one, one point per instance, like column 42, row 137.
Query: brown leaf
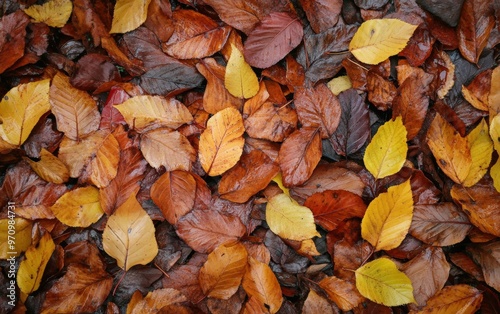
column 322, row 14
column 477, row 92
column 381, row 91
column 318, row 108
column 428, row 273
column 13, row 33
column 488, row 256
column 347, row 257
column 271, row 122
column 452, row 299
column 252, row 173
column 80, row 290
column 93, row 70
column 314, row 304
column 174, row 192
column 299, row 154
column 170, row 79
column 156, row 300
column 343, row 293
column 467, row 264
column 440, row 224
column 474, row 27
column 204, row 230
column 419, row 47
column 331, row 207
column 199, row 46
column 185, row 279
column 103, row 166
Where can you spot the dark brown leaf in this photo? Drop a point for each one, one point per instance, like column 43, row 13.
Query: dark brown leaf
column 170, row 79
column 185, row 279
column 92, row 71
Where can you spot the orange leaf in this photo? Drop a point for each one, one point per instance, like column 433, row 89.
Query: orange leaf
column 342, row 292
column 462, row 299
column 221, row 144
column 155, row 301
column 316, row 304
column 50, row 168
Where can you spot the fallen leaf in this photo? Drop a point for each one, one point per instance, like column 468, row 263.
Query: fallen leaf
column 289, row 220
column 378, row 39
column 31, row 269
column 315, row 303
column 170, row 79
column 386, row 153
column 20, row 110
column 223, row 271
column 494, row 95
column 14, row 26
column 260, row 283
column 381, row 282
column 75, row 110
column 343, row 293
column 388, row 217
column 271, row 122
column 155, row 301
column 272, row 39
column 454, row 299
column 79, row 207
column 14, row 245
column 144, row 111
column 339, row 84
column 240, row 80
column 495, row 175
column 488, row 256
column 481, row 148
column 50, row 168
column 129, row 235
column 221, row 144
column 128, row 15
column 495, row 132
column 322, row 14
column 54, row 13
column 104, row 163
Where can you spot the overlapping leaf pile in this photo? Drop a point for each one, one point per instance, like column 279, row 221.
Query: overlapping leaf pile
column 251, row 156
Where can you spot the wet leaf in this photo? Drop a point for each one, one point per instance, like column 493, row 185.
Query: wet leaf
column 488, row 256
column 481, row 148
column 494, row 95
column 388, row 217
column 240, row 80
column 54, row 13
column 22, row 239
column 495, row 132
column 322, row 14
column 378, row 39
column 50, row 168
column 170, row 79
column 381, row 282
column 386, row 153
column 155, row 301
column 339, row 84
column 343, row 293
column 316, row 304
column 20, row 110
column 129, row 235
column 458, row 298
column 128, row 15
column 271, row 122
column 79, row 207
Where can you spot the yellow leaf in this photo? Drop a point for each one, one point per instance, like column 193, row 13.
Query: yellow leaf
column 382, row 282
column 80, row 207
column 495, row 132
column 444, row 142
column 20, row 110
column 378, row 39
column 386, row 153
column 495, row 175
column 221, row 275
column 494, row 96
column 388, row 217
column 308, row 248
column 481, row 148
column 129, row 235
column 221, row 144
column 129, row 15
column 50, row 168
column 54, row 13
column 289, row 220
column 462, row 299
column 32, row 267
column 278, row 179
column 104, row 164
column 260, row 283
column 16, row 236
column 341, row 292
column 339, row 84
column 145, row 111
column 240, row 80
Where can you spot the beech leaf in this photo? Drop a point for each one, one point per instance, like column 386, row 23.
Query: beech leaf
column 79, row 207
column 156, row 301
column 341, row 292
column 23, row 236
column 240, row 80
column 381, row 282
column 54, row 13
column 339, row 84
column 50, row 168
column 481, row 148
column 129, row 15
column 388, row 217
column 461, row 298
column 129, row 235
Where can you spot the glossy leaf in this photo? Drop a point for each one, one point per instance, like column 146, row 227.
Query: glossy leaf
column 481, row 148
column 378, row 39
column 221, row 144
column 13, row 25
column 495, row 175
column 381, row 282
column 240, row 80
column 50, row 168
column 129, row 235
column 488, row 256
column 128, row 15
column 54, row 13
column 388, row 217
column 20, row 110
column 386, row 153
column 454, row 299
column 79, row 207
column 322, row 14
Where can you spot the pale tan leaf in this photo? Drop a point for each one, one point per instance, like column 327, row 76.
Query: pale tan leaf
column 315, row 304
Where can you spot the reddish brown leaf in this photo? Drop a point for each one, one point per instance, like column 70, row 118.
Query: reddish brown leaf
column 271, row 122
column 318, row 108
column 341, row 292
column 204, row 230
column 332, row 207
column 322, row 14
column 93, row 70
column 488, row 256
column 12, row 34
column 174, row 192
column 110, row 116
column 419, row 46
column 381, row 91
column 269, row 42
column 299, row 155
column 347, row 257
column 252, row 173
column 185, row 279
column 467, row 264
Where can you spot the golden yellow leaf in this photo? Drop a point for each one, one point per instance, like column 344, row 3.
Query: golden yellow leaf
column 378, row 39
column 388, row 217
column 386, row 153
column 462, row 299
column 16, row 236
column 75, row 110
column 20, row 110
column 481, row 148
column 382, row 282
column 278, row 179
column 495, row 175
column 240, row 80
column 444, row 142
column 221, row 144
column 308, row 248
column 145, row 111
column 290, row 220
column 104, row 163
column 341, row 292
column 80, row 207
column 494, row 96
column 339, row 84
column 129, row 15
column 495, row 132
column 473, row 100
column 50, row 168
column 32, row 267
column 155, row 300
column 54, row 13
column 129, row 235
column 260, row 283
column 221, row 275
